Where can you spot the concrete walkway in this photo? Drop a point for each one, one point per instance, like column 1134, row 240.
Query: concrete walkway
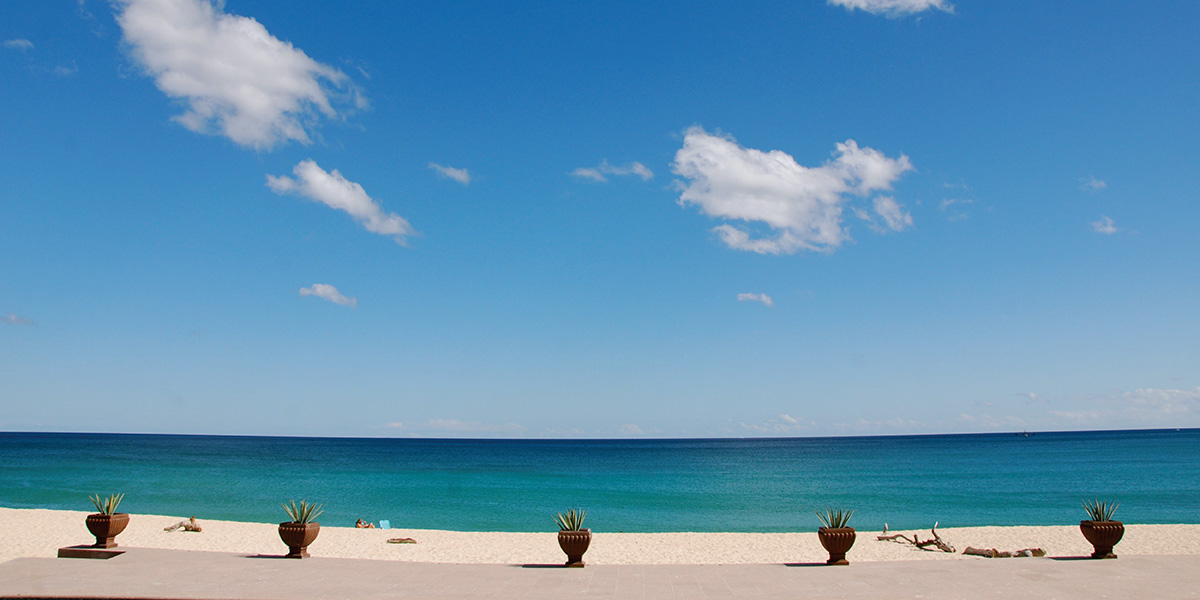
column 145, row 573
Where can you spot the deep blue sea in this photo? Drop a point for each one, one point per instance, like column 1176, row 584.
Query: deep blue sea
column 743, row 485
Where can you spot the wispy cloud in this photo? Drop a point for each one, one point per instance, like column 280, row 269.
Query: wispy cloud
column 763, row 298
column 1145, row 407
column 1034, row 398
column 1091, row 184
column 894, row 425
column 894, row 215
column 895, row 218
column 631, row 429
column 1104, row 225
column 335, row 191
column 603, row 170
column 784, row 424
column 235, row 78
column 994, row 423
column 801, row 206
column 954, row 208
column 1167, row 401
column 65, row 71
column 457, row 426
column 459, row 175
column 11, row 319
column 330, row 293
column 19, row 44
column 894, row 8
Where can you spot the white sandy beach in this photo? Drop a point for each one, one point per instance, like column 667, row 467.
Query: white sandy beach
column 39, row 533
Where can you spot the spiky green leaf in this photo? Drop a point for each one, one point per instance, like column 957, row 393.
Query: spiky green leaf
column 303, row 512
column 1100, row 510
column 107, row 506
column 572, row 520
column 834, row 518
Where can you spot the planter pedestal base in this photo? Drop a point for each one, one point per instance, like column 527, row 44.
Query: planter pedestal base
column 88, row 551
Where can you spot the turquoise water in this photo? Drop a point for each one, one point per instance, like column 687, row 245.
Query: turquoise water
column 746, row 485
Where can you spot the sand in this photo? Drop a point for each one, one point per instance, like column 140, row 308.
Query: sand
column 39, row 533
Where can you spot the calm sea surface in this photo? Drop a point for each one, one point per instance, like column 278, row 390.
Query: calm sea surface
column 626, row 485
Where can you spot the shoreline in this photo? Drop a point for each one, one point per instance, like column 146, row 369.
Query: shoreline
column 40, row 532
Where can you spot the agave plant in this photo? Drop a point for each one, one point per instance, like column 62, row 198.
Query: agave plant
column 107, row 506
column 1100, row 510
column 572, row 520
column 302, row 513
column 834, row 518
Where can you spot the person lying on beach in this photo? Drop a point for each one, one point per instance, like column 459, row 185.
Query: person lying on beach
column 361, row 524
column 188, row 525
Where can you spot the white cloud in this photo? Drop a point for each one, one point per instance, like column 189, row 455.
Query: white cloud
column 895, row 425
column 234, row 77
column 631, row 429
column 330, row 293
column 457, row 426
column 459, row 175
column 994, row 423
column 1104, row 225
column 19, row 44
column 801, row 205
column 954, row 208
column 894, row 8
column 893, row 214
column 765, row 299
column 1034, row 398
column 337, row 192
column 11, row 319
column 1145, row 407
column 783, row 425
column 1164, row 401
column 600, row 172
column 589, row 173
column 1091, row 184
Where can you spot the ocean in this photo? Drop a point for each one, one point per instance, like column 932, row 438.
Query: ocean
column 738, row 485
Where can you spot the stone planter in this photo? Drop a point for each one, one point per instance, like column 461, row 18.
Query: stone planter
column 837, row 542
column 574, row 544
column 1102, row 535
column 106, row 528
column 298, row 536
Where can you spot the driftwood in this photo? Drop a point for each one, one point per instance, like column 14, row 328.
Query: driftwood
column 936, row 543
column 994, row 553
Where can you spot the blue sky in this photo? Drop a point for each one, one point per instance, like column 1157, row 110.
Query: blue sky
column 598, row 219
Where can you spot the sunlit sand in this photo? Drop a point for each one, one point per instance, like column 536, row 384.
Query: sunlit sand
column 39, row 533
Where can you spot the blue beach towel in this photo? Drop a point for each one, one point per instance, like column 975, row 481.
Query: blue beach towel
column 385, row 524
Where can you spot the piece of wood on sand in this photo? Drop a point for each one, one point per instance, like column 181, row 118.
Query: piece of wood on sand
column 930, row 545
column 994, row 553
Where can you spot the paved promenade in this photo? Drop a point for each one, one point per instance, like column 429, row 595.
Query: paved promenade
column 145, row 573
